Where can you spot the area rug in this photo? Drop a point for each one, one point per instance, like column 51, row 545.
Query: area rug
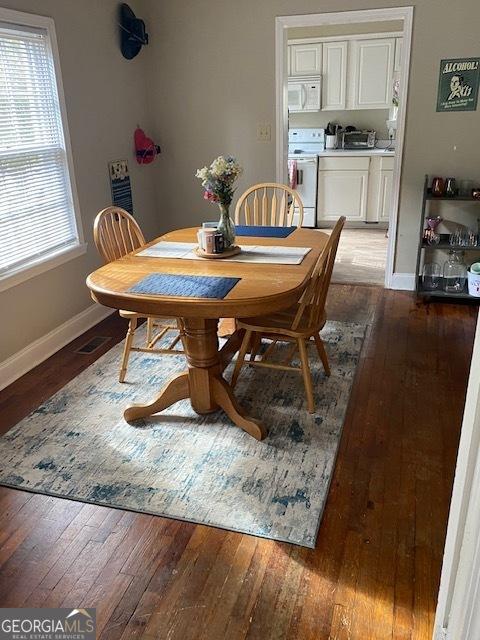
column 180, row 465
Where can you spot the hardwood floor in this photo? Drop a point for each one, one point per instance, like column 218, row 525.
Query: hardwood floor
column 374, row 573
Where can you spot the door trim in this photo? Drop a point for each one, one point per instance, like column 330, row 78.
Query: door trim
column 282, row 23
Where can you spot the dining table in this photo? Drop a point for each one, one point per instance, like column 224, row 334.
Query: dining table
column 261, row 289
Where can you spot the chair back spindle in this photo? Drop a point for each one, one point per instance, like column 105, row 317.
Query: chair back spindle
column 116, row 233
column 314, row 297
column 269, row 204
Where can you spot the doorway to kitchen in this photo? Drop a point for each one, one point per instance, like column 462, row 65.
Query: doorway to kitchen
column 342, row 82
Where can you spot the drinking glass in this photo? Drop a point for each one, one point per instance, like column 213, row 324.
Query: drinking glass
column 431, row 235
column 450, row 187
column 438, row 187
column 459, row 238
column 431, row 276
column 466, row 187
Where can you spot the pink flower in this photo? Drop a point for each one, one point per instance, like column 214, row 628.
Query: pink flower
column 208, row 195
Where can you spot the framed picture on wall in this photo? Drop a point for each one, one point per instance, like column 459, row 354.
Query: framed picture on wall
column 120, row 185
column 458, row 84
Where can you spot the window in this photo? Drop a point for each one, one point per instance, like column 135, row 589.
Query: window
column 37, row 214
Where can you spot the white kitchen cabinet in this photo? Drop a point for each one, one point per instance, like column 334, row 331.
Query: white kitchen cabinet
column 385, row 196
column 334, row 75
column 342, row 189
column 398, row 54
column 372, row 70
column 379, row 201
column 305, row 59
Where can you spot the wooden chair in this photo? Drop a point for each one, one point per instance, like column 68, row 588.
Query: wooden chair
column 117, row 233
column 299, row 325
column 269, row 204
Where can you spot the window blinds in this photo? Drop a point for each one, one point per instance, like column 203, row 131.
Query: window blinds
column 37, row 216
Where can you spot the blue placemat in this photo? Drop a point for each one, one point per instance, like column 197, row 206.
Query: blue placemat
column 167, row 284
column 263, row 232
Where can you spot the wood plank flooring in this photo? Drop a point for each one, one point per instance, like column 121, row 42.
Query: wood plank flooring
column 361, row 257
column 375, row 571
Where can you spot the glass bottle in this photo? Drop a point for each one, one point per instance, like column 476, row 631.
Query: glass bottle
column 454, row 273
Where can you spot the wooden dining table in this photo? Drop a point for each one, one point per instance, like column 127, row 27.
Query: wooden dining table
column 262, row 288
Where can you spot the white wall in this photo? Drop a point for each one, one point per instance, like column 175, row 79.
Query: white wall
column 460, row 580
column 105, row 99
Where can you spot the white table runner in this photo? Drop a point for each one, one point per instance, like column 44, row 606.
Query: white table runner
column 250, row 253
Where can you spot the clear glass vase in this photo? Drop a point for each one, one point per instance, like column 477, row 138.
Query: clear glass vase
column 226, row 226
column 454, row 273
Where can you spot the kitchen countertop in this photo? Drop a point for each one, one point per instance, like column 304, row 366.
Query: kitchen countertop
column 342, row 152
column 353, row 152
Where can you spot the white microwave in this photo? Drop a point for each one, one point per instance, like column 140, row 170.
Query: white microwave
column 304, row 94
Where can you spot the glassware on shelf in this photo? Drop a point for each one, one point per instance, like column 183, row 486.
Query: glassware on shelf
column 450, row 187
column 438, row 187
column 472, row 238
column 465, row 188
column 431, row 276
column 456, row 238
column 463, row 237
column 430, row 234
column 454, row 273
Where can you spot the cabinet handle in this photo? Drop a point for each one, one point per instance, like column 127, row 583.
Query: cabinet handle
column 299, row 176
column 304, row 96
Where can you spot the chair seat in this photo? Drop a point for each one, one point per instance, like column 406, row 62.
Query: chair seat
column 280, row 323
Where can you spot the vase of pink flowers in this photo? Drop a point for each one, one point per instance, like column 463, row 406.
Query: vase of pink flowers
column 218, row 180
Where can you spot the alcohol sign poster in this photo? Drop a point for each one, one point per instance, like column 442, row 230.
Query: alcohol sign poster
column 458, row 84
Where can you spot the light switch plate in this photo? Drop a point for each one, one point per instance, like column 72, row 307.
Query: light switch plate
column 264, row 132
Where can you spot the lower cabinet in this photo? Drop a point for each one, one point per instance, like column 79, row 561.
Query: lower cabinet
column 380, row 190
column 342, row 188
column 358, row 188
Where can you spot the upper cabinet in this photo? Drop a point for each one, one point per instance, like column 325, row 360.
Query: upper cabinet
column 305, row 59
column 372, row 62
column 356, row 73
column 334, row 76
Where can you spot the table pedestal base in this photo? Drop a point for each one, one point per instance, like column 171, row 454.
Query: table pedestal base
column 203, row 383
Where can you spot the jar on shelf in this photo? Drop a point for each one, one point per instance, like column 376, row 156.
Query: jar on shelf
column 454, row 272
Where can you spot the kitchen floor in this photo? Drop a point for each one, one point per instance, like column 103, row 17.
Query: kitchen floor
column 361, row 257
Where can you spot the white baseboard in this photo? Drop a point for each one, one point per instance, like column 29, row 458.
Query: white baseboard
column 403, row 281
column 36, row 352
column 440, row 634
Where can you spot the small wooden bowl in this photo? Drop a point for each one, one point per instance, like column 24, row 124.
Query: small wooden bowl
column 228, row 253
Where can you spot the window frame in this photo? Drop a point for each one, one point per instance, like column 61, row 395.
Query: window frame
column 54, row 259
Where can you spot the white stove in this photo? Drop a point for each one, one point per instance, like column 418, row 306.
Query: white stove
column 304, row 145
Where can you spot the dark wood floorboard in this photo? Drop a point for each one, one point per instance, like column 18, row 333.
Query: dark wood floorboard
column 376, row 567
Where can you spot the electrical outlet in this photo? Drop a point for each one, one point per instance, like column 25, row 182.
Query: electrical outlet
column 264, row 132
